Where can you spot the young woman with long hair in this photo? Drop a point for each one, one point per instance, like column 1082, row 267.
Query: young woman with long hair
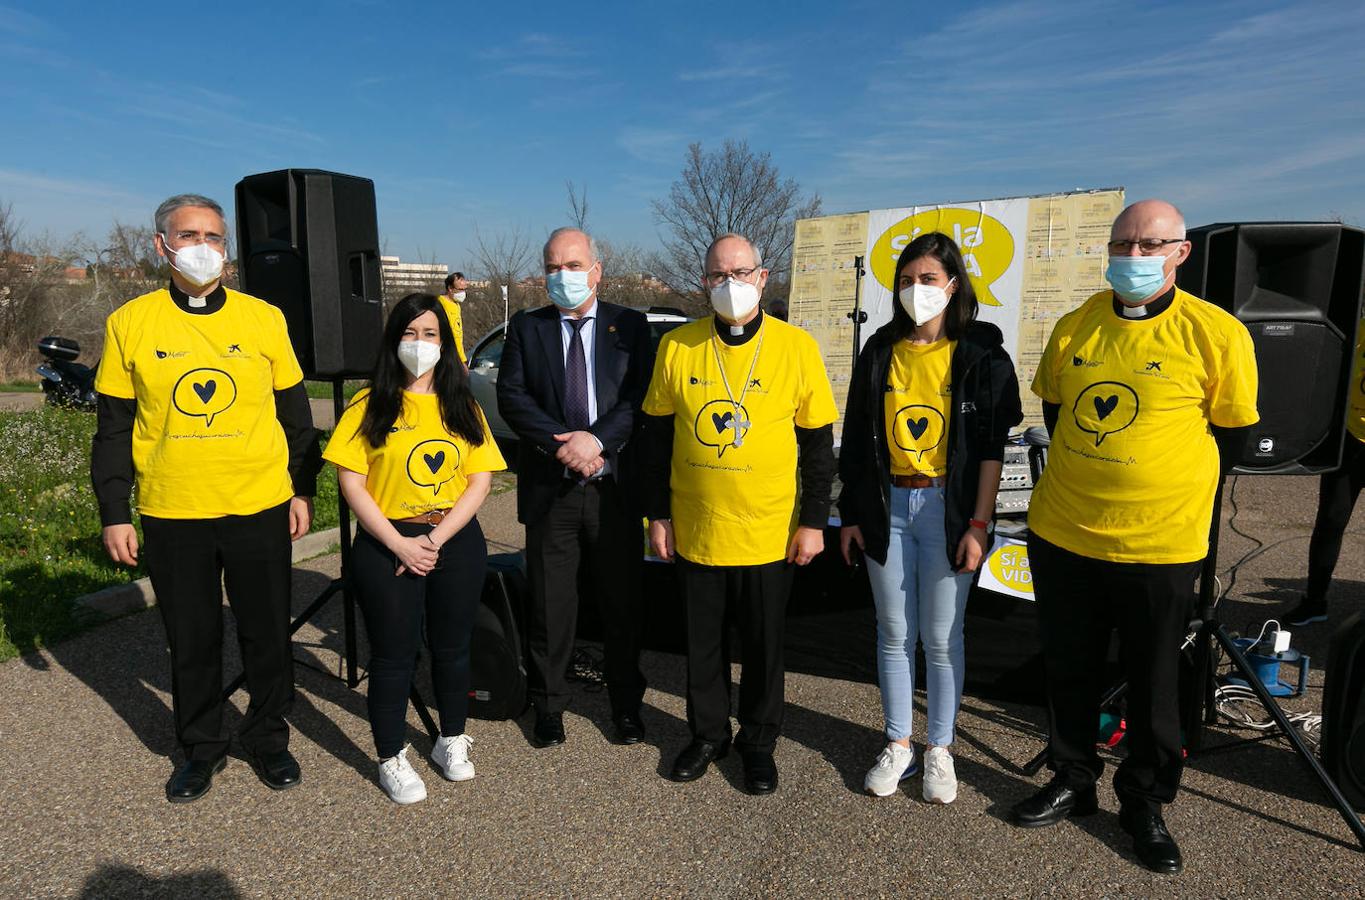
column 931, row 401
column 415, row 460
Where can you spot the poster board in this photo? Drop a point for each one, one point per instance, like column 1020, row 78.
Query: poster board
column 1030, row 259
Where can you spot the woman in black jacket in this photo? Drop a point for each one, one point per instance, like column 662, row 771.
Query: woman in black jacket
column 931, row 402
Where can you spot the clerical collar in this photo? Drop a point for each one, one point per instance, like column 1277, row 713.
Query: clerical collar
column 199, row 306
column 734, row 335
column 1147, row 310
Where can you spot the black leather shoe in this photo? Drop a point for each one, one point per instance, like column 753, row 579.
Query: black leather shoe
column 696, row 756
column 629, row 728
column 1153, row 844
column 549, row 730
column 278, row 770
column 1053, row 803
column 760, row 772
column 193, row 779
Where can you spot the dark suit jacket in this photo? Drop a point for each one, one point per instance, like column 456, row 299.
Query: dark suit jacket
column 531, row 394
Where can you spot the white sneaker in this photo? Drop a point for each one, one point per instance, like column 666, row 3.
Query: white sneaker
column 940, row 779
column 451, row 755
column 894, row 765
column 399, row 781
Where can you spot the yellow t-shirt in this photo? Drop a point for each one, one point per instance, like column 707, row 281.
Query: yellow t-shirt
column 1133, row 465
column 733, row 479
column 456, row 325
column 1355, row 414
column 206, row 442
column 421, row 466
column 917, row 404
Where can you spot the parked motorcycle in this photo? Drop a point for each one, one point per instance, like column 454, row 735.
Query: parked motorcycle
column 66, row 383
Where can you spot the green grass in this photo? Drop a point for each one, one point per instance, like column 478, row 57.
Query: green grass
column 50, row 549
column 322, row 390
column 25, row 387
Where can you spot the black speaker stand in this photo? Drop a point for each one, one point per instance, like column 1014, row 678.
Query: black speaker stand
column 342, row 586
column 1199, row 709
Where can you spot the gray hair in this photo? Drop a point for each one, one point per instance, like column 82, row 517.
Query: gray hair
column 569, row 229
column 758, row 257
column 180, row 201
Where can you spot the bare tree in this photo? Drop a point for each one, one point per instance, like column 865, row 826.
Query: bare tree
column 30, row 275
column 729, row 190
column 503, row 259
column 578, row 206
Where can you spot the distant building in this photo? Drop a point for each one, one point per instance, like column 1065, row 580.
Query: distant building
column 401, row 279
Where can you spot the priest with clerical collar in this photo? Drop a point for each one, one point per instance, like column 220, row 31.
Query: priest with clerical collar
column 201, row 403
column 738, row 407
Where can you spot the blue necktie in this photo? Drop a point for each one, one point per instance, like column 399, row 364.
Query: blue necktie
column 576, row 380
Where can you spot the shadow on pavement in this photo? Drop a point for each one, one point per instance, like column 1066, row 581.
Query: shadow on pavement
column 126, row 881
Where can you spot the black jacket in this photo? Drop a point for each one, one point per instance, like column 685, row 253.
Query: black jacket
column 985, row 398
column 531, row 394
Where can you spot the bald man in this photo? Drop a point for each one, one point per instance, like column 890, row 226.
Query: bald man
column 570, row 383
column 1147, row 392
column 738, row 414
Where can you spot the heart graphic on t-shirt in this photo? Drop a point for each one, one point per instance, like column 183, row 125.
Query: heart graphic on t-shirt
column 720, row 420
column 205, row 390
column 434, row 460
column 1104, row 406
column 917, row 426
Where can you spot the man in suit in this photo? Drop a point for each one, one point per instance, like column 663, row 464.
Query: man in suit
column 572, row 377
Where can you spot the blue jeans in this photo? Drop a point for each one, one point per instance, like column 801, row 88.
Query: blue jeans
column 919, row 596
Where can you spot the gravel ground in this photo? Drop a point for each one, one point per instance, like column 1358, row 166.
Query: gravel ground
column 86, row 746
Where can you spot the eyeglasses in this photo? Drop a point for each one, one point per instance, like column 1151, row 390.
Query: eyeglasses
column 716, row 279
column 184, row 238
column 1146, row 245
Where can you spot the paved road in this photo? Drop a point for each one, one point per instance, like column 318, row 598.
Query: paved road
column 85, row 741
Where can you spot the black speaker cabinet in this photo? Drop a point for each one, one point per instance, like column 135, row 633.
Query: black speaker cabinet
column 1297, row 288
column 1343, row 710
column 308, row 242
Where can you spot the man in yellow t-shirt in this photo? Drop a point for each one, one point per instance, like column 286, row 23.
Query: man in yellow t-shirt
column 201, row 402
column 1141, row 387
column 738, row 407
column 457, row 289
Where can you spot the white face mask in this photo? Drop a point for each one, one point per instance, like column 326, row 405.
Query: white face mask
column 733, row 300
column 922, row 302
column 418, row 357
column 199, row 263
column 458, row 296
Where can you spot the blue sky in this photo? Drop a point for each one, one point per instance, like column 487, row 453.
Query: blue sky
column 475, row 115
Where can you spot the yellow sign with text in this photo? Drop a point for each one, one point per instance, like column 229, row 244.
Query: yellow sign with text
column 1007, row 570
column 987, row 247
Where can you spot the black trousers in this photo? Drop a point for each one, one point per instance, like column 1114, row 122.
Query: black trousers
column 189, row 560
column 1337, row 495
column 757, row 597
column 587, row 525
column 397, row 607
column 1080, row 602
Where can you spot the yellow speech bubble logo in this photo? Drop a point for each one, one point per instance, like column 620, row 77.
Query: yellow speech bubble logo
column 432, row 463
column 986, row 245
column 918, row 429
column 722, row 424
column 1010, row 567
column 204, row 393
column 1104, row 408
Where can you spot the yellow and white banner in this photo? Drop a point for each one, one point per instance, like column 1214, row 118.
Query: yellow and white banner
column 1030, row 260
column 1006, row 570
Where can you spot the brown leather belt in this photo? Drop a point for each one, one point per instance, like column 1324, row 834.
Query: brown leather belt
column 433, row 517
column 915, row 481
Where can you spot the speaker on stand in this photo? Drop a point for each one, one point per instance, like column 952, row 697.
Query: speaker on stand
column 1297, row 287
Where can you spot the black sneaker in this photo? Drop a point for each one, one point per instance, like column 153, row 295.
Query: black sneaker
column 1307, row 612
